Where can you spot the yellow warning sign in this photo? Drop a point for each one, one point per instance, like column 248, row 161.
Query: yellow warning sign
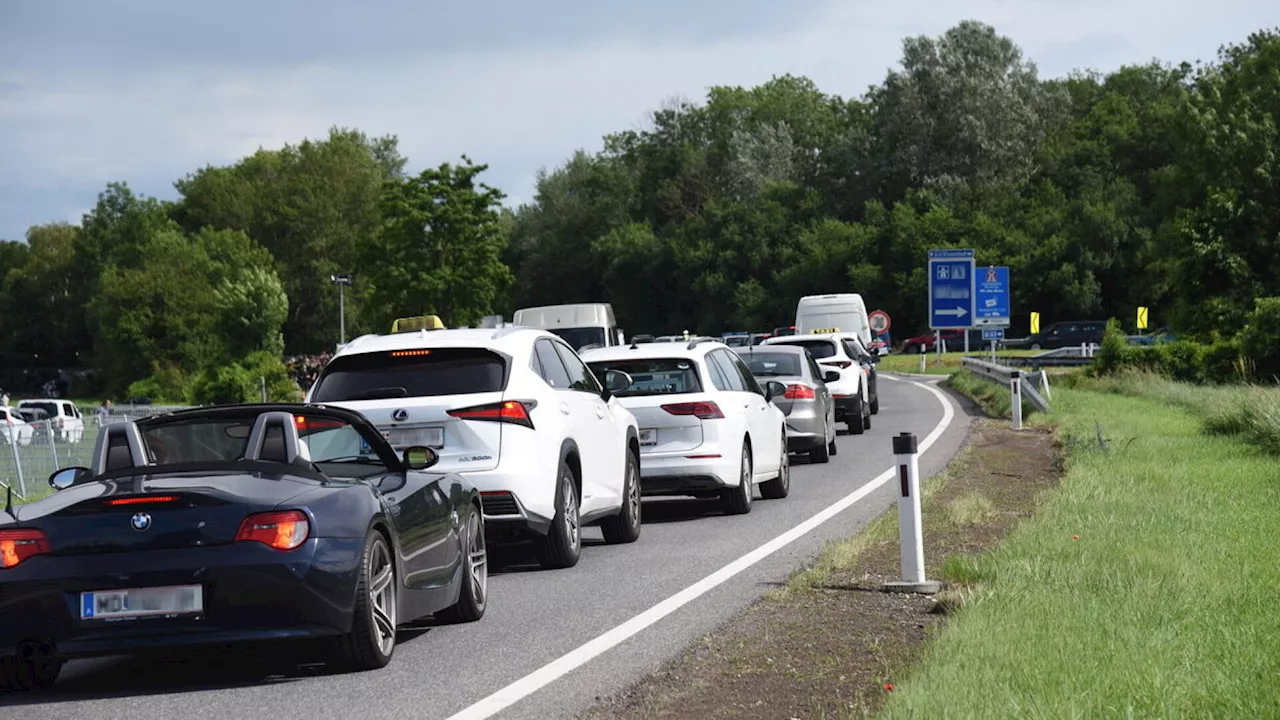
column 1035, row 323
column 1142, row 318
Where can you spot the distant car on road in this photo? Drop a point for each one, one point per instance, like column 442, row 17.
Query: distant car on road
column 707, row 428
column 851, row 392
column 952, row 339
column 807, row 403
column 1068, row 333
column 1159, row 336
column 238, row 523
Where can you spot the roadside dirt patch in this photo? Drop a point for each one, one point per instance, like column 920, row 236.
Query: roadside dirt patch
column 832, row 647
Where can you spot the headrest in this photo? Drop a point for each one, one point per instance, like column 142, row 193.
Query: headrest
column 119, row 446
column 274, row 438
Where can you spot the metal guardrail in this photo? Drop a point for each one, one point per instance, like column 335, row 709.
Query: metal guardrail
column 1031, row 384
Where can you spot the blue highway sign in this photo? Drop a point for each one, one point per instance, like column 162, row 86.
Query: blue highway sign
column 996, row 334
column 951, row 289
column 992, row 297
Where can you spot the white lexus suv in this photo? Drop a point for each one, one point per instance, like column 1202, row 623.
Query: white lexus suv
column 851, row 393
column 513, row 410
column 707, row 428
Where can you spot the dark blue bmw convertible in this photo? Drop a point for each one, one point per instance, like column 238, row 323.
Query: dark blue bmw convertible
column 237, row 523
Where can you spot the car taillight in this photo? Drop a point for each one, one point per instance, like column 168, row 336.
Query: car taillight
column 798, row 392
column 842, row 364
column 19, row 544
column 702, row 410
column 307, row 425
column 515, row 412
column 280, row 529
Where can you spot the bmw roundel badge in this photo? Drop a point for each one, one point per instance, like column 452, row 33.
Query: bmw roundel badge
column 140, row 521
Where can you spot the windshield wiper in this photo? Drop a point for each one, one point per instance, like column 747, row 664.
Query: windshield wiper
column 377, row 393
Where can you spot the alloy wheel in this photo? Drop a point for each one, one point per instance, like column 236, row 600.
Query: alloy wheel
column 382, row 597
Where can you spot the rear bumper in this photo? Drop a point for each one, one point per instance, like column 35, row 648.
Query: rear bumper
column 250, row 592
column 806, row 428
column 688, row 472
column 515, row 501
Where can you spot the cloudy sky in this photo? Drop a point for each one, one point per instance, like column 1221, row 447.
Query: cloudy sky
column 145, row 91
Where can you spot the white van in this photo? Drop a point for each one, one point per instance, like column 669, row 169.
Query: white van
column 835, row 313
column 580, row 325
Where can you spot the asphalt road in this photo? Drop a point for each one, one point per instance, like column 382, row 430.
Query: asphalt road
column 674, row 578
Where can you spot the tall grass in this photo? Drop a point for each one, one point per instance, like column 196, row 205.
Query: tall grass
column 1147, row 585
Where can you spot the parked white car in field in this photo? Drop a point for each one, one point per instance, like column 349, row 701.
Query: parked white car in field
column 707, row 428
column 517, row 412
column 12, row 427
column 64, row 417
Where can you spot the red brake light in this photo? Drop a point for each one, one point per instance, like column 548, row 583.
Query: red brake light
column 281, row 529
column 842, row 364
column 409, row 353
column 19, row 544
column 702, row 410
column 798, row 392
column 509, row 411
column 140, row 500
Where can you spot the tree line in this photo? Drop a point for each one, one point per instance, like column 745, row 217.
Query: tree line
column 1154, row 185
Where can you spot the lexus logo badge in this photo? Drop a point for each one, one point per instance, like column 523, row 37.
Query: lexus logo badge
column 140, row 522
column 400, row 415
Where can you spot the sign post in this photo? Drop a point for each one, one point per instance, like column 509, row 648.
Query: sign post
column 951, row 292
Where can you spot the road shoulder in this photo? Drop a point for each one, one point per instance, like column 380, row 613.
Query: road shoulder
column 830, row 643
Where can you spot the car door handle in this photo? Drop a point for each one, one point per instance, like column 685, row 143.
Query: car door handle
column 600, row 411
column 564, row 408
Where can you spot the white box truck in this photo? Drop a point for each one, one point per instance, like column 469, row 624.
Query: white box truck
column 581, row 325
column 837, row 312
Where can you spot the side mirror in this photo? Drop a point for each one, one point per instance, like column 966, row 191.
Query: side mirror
column 831, row 376
column 615, row 381
column 773, row 389
column 66, row 477
column 420, row 457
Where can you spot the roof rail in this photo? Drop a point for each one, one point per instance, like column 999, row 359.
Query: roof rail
column 359, row 340
column 590, row 346
column 693, row 343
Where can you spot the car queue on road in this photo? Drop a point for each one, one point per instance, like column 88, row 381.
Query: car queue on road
column 450, row 439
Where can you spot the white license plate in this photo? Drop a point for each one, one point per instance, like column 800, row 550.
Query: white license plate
column 432, row 437
column 648, row 437
column 141, row 602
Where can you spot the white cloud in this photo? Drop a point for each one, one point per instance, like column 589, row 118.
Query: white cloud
column 531, row 107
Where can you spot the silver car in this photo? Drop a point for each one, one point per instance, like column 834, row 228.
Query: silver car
column 800, row 393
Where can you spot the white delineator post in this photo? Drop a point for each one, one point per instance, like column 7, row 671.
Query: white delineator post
column 910, row 525
column 923, row 351
column 1015, row 402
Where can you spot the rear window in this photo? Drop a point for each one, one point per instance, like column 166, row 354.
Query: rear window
column 817, row 348
column 670, row 376
column 766, row 364
column 411, row 373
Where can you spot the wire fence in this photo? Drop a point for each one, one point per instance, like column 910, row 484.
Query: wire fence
column 31, row 452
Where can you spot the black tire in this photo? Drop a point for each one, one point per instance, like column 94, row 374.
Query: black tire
column 364, row 647
column 875, row 404
column 28, row 670
column 1035, row 346
column 473, row 596
column 831, row 446
column 821, row 452
column 625, row 526
column 779, row 487
column 857, row 419
column 737, row 500
column 866, row 416
column 562, row 545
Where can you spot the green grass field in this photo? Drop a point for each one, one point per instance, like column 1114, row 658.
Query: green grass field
column 1165, row 604
column 950, row 362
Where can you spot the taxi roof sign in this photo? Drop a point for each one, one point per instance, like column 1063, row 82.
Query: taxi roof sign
column 824, row 331
column 417, row 322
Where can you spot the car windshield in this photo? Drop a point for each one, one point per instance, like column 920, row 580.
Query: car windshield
column 335, row 446
column 817, row 348
column 579, row 338
column 661, row 376
column 411, row 373
column 765, row 364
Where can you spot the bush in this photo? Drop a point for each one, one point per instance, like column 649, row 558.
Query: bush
column 1111, row 354
column 1260, row 338
column 242, row 382
column 166, row 384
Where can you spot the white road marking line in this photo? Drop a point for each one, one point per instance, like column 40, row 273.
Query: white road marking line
column 579, row 656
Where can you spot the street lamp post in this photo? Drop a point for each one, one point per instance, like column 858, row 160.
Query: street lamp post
column 342, row 280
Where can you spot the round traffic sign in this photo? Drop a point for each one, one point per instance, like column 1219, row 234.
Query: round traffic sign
column 879, row 322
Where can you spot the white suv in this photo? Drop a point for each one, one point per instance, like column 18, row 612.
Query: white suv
column 707, row 428
column 850, row 392
column 64, row 417
column 516, row 412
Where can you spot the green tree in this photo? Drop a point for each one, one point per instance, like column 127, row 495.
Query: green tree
column 440, row 247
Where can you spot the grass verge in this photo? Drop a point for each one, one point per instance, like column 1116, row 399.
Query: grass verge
column 1140, row 590
column 949, row 363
